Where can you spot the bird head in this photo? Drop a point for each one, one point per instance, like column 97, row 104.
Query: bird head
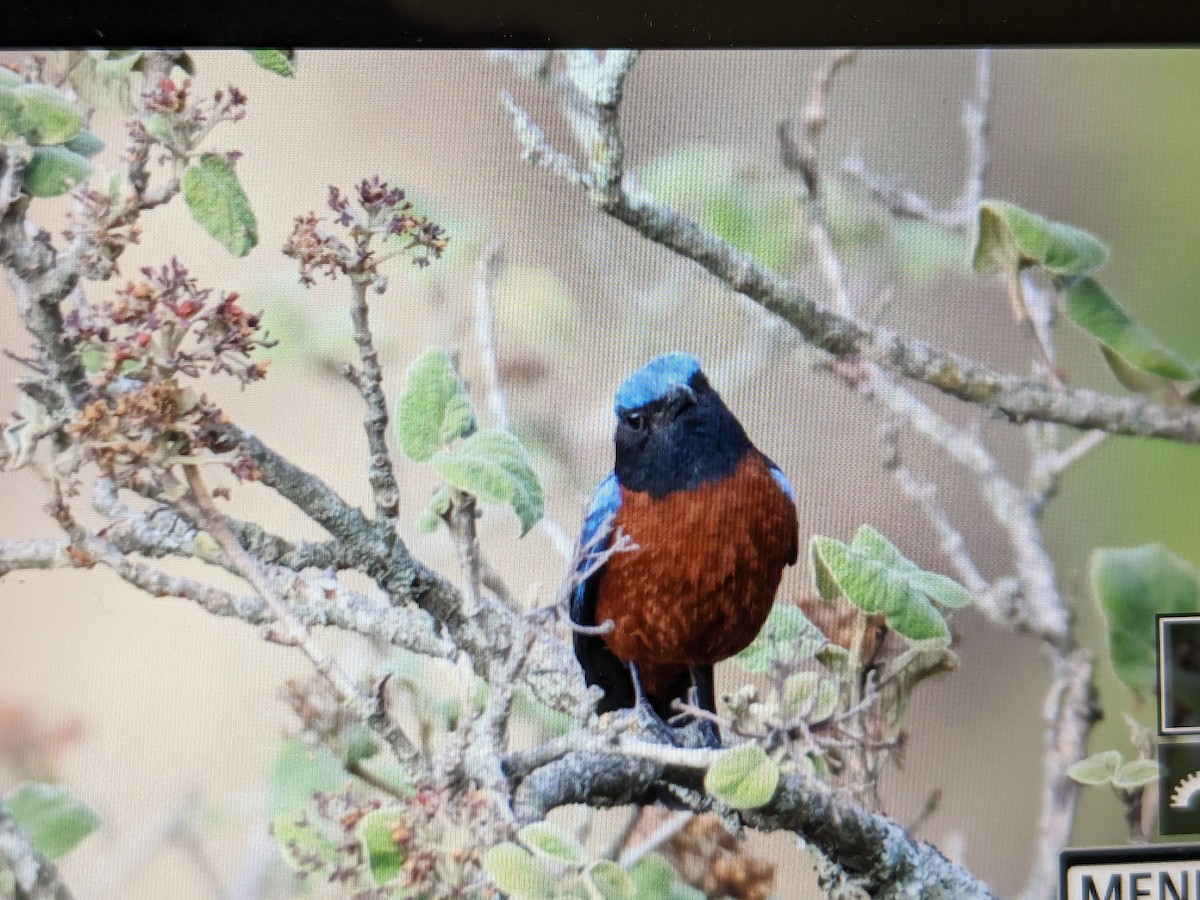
column 673, row 431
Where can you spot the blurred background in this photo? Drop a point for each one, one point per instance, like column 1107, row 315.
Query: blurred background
column 156, row 713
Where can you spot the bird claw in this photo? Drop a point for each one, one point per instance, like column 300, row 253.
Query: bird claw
column 698, row 734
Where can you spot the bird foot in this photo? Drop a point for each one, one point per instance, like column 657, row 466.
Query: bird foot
column 698, row 734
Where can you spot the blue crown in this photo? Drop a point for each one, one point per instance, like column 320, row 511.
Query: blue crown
column 655, row 379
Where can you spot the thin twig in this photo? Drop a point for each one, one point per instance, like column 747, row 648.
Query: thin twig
column 663, row 833
column 382, row 472
column 491, row 264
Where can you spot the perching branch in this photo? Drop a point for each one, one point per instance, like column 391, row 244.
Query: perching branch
column 589, row 99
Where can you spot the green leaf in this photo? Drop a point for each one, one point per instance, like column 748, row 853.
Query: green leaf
column 652, row 877
column 431, row 515
column 943, row 590
column 10, row 114
column 493, row 466
column 879, row 584
column 1131, row 586
column 547, row 840
column 384, row 856
column 514, row 870
column 1092, row 309
column 1136, row 773
column 158, row 126
column 1011, row 238
column 1133, row 378
column 85, row 144
column 435, row 407
column 54, row 818
column 47, row 117
column 52, row 171
column 786, row 636
column 298, row 772
column 281, row 62
column 1098, row 768
column 303, row 845
column 360, row 744
column 813, row 693
column 611, row 881
column 744, row 777
column 215, row 197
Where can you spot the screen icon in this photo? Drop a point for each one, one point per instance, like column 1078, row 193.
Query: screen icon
column 1179, row 675
column 1179, row 788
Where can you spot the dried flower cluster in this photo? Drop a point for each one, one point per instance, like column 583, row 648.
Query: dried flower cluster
column 709, row 858
column 136, row 414
column 382, row 211
column 179, row 122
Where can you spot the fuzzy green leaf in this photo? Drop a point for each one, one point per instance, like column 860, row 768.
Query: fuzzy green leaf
column 54, row 818
column 217, row 201
column 360, row 744
column 10, row 114
column 545, row 839
column 744, row 777
column 1133, row 378
column 493, row 466
column 385, row 858
column 281, row 62
column 298, row 772
column 1131, row 585
column 1092, row 308
column 52, row 171
column 47, row 117
column 514, row 870
column 431, row 515
column 1136, row 773
column 1011, row 238
column 85, row 144
column 158, row 126
column 435, row 407
column 1098, row 768
column 879, row 585
column 610, row 881
column 655, row 879
column 786, row 636
column 302, row 844
column 814, row 694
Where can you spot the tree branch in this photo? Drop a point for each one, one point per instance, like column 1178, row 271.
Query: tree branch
column 588, row 105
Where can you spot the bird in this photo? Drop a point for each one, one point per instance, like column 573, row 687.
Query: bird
column 711, row 523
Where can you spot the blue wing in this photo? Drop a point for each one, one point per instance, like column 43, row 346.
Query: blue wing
column 599, row 665
column 605, row 503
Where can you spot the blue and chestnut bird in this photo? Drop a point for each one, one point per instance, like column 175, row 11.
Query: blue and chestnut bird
column 714, row 524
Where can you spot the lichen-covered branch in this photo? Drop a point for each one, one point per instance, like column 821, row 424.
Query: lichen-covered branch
column 875, row 852
column 369, row 381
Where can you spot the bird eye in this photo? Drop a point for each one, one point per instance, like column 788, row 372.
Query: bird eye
column 636, row 421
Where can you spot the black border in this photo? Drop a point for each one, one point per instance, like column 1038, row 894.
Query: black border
column 574, row 23
column 1144, row 853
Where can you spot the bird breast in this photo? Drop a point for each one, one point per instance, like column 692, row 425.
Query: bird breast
column 703, row 577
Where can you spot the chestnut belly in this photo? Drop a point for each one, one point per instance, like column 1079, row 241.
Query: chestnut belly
column 702, row 580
